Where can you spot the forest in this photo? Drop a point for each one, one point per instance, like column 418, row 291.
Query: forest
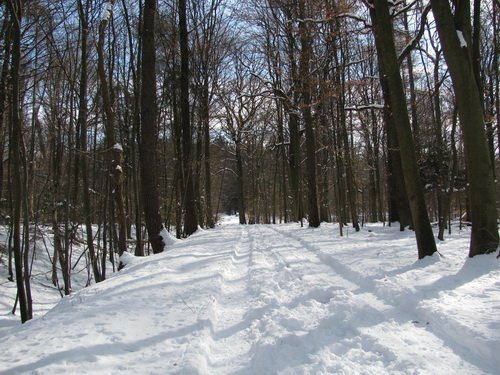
column 123, row 120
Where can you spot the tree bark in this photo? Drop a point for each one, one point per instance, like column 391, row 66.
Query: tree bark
column 484, row 237
column 149, row 131
column 206, row 154
column 241, row 184
column 16, row 9
column 115, row 149
column 3, row 94
column 384, row 40
column 190, row 217
column 305, row 77
column 294, row 155
column 82, row 121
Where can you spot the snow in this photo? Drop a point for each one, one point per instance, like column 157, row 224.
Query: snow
column 108, row 10
column 168, row 239
column 461, row 39
column 282, row 299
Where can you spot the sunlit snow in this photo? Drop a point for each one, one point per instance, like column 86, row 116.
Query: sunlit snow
column 263, row 299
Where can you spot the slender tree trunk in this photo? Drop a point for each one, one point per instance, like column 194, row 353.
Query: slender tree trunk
column 3, row 95
column 116, row 150
column 339, row 183
column 16, row 9
column 372, row 182
column 82, row 121
column 135, row 138
column 190, row 218
column 207, row 156
column 413, row 97
column 384, row 40
column 241, row 184
column 448, row 192
column 305, row 76
column 484, row 238
column 294, row 156
column 495, row 65
column 351, row 186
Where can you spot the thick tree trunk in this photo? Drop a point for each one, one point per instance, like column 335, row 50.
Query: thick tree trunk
column 149, row 131
column 384, row 40
column 484, row 238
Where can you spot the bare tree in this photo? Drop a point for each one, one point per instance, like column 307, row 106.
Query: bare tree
column 190, row 217
column 455, row 35
column 115, row 148
column 149, row 130
column 21, row 264
column 389, row 71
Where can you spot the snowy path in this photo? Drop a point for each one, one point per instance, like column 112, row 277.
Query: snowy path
column 274, row 300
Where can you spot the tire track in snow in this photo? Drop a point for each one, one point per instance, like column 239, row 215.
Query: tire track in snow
column 300, row 292
column 200, row 353
column 400, row 309
column 229, row 340
column 225, row 335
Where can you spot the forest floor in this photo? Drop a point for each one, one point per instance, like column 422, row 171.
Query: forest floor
column 269, row 299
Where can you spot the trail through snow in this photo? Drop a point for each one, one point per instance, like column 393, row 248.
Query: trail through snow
column 277, row 299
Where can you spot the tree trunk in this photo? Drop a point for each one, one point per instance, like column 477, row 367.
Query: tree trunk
column 82, row 121
column 206, row 153
column 413, row 97
column 351, row 186
column 115, row 149
column 484, row 238
column 495, row 65
column 294, row 155
column 241, row 184
column 3, row 95
column 305, row 77
column 448, row 193
column 190, row 218
column 149, row 131
column 384, row 40
column 16, row 9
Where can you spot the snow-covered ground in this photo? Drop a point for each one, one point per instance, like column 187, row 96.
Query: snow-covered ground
column 261, row 299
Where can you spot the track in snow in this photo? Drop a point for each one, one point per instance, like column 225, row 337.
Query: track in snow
column 284, row 305
column 262, row 299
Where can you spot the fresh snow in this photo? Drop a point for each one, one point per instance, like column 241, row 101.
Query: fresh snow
column 272, row 299
column 108, row 10
column 461, row 39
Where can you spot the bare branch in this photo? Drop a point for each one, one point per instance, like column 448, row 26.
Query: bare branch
column 417, row 37
column 365, row 107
